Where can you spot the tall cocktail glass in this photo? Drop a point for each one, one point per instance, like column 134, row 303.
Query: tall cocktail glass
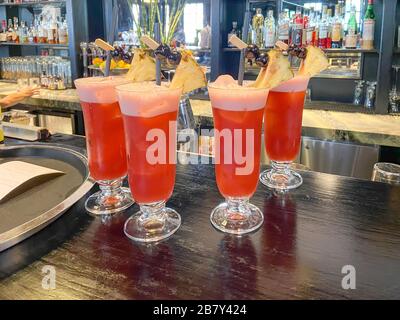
column 282, row 126
column 105, row 144
column 150, row 117
column 238, row 113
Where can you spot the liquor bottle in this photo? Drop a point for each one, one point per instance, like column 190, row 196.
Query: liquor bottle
column 329, row 21
column 283, row 27
column 306, row 25
column 23, row 33
column 269, row 30
column 42, row 32
column 323, row 29
column 10, row 31
column 3, row 34
column 258, row 28
column 251, row 35
column 63, row 33
column 52, row 32
column 233, row 32
column 309, row 27
column 337, row 28
column 343, row 18
column 315, row 32
column 369, row 27
column 297, row 28
column 352, row 36
column 15, row 36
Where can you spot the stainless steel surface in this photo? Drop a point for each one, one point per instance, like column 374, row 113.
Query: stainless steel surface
column 345, row 159
column 24, row 132
column 56, row 123
column 185, row 117
column 17, row 234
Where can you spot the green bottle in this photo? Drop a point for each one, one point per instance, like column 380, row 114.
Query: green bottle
column 351, row 37
column 368, row 27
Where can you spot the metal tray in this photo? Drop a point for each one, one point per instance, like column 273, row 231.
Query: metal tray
column 28, row 213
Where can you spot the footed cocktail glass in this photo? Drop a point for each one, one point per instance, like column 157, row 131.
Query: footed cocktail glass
column 105, row 144
column 150, row 117
column 238, row 113
column 282, row 129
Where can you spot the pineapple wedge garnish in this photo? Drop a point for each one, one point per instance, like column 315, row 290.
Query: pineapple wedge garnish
column 314, row 63
column 188, row 75
column 143, row 67
column 277, row 71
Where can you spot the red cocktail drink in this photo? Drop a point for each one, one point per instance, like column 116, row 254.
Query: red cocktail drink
column 105, row 140
column 150, row 183
column 282, row 126
column 150, row 114
column 225, row 169
column 105, row 143
column 238, row 113
column 283, row 123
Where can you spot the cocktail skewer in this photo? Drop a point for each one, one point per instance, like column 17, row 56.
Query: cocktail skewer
column 252, row 52
column 107, row 48
column 154, row 45
column 157, row 36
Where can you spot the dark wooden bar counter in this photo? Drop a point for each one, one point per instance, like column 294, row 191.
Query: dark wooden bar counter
column 308, row 236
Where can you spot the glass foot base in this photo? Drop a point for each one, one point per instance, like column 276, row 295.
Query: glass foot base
column 237, row 217
column 99, row 204
column 281, row 181
column 152, row 229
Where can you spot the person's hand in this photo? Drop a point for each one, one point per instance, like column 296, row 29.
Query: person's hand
column 29, row 91
column 19, row 96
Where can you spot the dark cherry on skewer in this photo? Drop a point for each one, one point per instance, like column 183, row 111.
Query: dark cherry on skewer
column 262, row 60
column 252, row 52
column 297, row 51
column 174, row 58
column 162, row 52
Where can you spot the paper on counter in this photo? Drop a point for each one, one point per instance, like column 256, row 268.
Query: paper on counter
column 17, row 177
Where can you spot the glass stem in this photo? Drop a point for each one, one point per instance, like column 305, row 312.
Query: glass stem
column 281, row 167
column 153, row 215
column 110, row 190
column 238, row 208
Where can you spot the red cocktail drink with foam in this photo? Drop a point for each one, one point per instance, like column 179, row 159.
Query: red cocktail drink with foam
column 150, row 113
column 105, row 143
column 282, row 128
column 238, row 113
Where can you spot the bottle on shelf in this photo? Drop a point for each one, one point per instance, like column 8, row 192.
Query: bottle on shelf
column 323, row 29
column 63, row 33
column 23, row 33
column 283, row 27
column 3, row 34
column 315, row 23
column 42, row 31
column 269, row 30
column 352, row 30
column 52, row 32
column 233, row 32
column 368, row 27
column 329, row 20
column 10, row 30
column 258, row 28
column 297, row 28
column 337, row 26
column 15, row 36
column 306, row 24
